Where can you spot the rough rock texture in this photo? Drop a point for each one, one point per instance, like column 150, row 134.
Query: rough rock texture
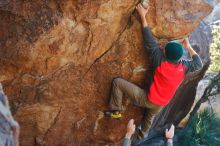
column 58, row 59
column 213, row 101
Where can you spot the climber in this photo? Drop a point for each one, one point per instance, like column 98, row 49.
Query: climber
column 168, row 71
column 131, row 129
column 9, row 128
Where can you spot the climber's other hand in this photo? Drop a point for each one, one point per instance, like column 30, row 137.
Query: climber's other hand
column 186, row 43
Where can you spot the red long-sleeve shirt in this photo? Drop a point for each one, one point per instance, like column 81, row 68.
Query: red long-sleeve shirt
column 166, row 75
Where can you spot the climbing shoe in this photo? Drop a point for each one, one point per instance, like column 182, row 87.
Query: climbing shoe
column 113, row 114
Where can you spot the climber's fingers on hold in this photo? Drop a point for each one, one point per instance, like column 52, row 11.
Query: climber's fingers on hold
column 138, row 6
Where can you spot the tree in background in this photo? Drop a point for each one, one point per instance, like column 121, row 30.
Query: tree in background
column 203, row 128
column 215, row 49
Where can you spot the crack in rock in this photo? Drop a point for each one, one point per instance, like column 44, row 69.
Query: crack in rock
column 52, row 125
column 103, row 54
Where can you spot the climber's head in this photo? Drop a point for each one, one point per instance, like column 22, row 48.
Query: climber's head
column 173, row 51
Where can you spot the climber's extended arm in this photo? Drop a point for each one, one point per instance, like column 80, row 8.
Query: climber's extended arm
column 150, row 44
column 149, row 41
column 195, row 63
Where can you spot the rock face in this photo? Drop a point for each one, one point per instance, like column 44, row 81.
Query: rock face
column 58, row 59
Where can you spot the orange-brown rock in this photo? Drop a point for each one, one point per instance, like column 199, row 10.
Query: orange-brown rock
column 58, row 59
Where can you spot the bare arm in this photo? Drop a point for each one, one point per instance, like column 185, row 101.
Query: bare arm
column 144, row 21
column 187, row 45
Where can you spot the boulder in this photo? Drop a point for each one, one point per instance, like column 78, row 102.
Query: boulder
column 58, row 59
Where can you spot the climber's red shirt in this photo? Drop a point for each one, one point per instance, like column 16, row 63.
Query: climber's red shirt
column 166, row 75
column 167, row 78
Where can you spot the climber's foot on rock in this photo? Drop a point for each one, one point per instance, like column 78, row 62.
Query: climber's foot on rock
column 113, row 114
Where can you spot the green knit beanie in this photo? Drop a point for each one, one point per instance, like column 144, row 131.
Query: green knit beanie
column 173, row 51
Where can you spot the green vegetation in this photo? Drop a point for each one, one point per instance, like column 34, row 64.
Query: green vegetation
column 215, row 49
column 202, row 129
